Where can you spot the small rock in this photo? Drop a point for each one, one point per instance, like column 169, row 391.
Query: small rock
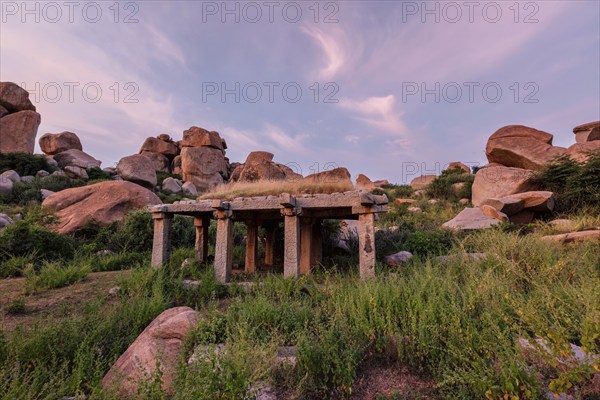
column 397, row 259
column 104, row 253
column 433, row 202
column 171, row 185
column 11, row 176
column 205, row 353
column 4, row 221
column 114, row 290
column 470, row 218
column 58, row 173
column 46, row 193
column 464, row 201
column 492, row 212
column 27, row 178
column 42, row 173
column 400, row 202
column 76, row 172
column 414, row 209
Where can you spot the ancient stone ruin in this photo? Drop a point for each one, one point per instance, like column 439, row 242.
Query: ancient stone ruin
column 302, row 217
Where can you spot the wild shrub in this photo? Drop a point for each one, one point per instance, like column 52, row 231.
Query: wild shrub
column 25, row 238
column 24, row 192
column 575, row 185
column 52, row 275
column 441, row 187
column 428, row 243
column 23, row 163
column 98, row 175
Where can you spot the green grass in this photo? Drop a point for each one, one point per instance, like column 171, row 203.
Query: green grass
column 456, row 323
column 53, row 275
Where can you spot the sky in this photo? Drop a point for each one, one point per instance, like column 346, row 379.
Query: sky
column 390, row 89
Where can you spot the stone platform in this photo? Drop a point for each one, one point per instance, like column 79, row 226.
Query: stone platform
column 302, row 216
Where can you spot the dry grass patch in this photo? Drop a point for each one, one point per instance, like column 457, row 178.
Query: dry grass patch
column 274, row 188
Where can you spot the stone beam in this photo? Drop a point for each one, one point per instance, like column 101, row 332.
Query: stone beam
column 161, row 244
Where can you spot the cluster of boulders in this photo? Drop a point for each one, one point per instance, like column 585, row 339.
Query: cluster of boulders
column 19, row 120
column 65, row 151
column 505, row 189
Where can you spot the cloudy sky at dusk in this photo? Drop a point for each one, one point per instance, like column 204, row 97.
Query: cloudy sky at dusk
column 378, row 87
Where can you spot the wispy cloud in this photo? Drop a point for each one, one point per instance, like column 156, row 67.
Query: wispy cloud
column 333, row 49
column 378, row 112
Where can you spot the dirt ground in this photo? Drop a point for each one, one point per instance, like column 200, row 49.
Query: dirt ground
column 391, row 381
column 52, row 304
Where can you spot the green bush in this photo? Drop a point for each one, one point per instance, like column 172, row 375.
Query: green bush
column 441, row 187
column 575, row 185
column 24, row 192
column 23, row 163
column 25, row 238
column 97, row 175
column 52, row 276
column 428, row 243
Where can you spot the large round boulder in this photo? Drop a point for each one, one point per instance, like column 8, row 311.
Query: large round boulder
column 159, row 161
column 203, row 166
column 498, row 181
column 54, row 143
column 14, row 98
column 338, row 176
column 139, row 169
column 76, row 158
column 519, row 146
column 581, row 151
column 259, row 166
column 162, row 146
column 200, row 137
column 158, row 346
column 421, row 182
column 587, row 132
column 18, row 131
column 102, row 203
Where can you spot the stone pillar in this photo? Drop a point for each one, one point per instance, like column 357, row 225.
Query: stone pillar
column 291, row 251
column 317, row 242
column 271, row 227
column 161, row 244
column 306, row 253
column 251, row 245
column 366, row 245
column 201, row 247
column 223, row 246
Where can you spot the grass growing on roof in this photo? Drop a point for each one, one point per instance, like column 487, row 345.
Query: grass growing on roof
column 274, row 188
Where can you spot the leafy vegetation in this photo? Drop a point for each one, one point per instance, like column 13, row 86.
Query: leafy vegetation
column 574, row 184
column 23, row 163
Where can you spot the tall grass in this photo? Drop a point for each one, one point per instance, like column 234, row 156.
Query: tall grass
column 269, row 187
column 455, row 322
